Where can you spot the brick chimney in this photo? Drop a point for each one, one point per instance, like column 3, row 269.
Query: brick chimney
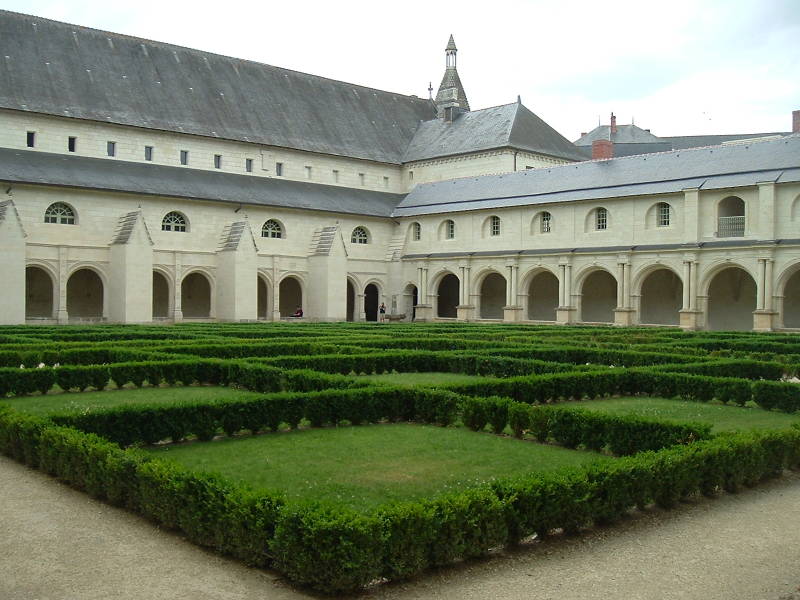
column 613, row 123
column 602, row 149
column 796, row 121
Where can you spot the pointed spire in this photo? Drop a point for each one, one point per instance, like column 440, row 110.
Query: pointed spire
column 451, row 97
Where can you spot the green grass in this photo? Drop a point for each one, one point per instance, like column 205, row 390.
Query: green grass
column 88, row 401
column 365, row 466
column 720, row 416
column 422, row 379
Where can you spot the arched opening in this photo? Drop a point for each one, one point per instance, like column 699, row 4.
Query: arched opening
column 351, row 301
column 731, row 217
column 661, row 298
column 85, row 295
column 38, row 294
column 599, row 298
column 291, row 296
column 543, row 297
column 262, row 300
column 447, row 297
column 791, row 301
column 410, row 301
column 160, row 296
column 493, row 296
column 371, row 302
column 196, row 296
column 731, row 300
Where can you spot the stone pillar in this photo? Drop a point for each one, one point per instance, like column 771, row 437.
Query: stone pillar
column 764, row 316
column 424, row 307
column 130, row 277
column 623, row 315
column 12, row 265
column 565, row 313
column 687, row 267
column 511, row 311
column 276, row 308
column 688, row 312
column 177, row 309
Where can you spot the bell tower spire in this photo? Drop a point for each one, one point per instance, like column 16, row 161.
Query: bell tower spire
column 451, row 98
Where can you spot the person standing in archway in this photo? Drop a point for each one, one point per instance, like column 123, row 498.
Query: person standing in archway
column 382, row 312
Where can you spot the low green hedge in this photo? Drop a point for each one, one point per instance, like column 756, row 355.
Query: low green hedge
column 337, row 551
column 573, row 427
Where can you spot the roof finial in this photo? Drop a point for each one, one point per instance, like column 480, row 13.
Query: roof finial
column 519, row 99
column 430, row 90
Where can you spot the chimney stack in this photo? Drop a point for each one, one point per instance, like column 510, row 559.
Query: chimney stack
column 613, row 123
column 602, row 149
column 796, row 121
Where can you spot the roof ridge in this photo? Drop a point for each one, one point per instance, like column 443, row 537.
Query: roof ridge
column 206, row 52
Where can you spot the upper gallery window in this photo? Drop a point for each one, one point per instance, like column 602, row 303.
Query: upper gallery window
column 546, row 221
column 59, row 213
column 600, row 219
column 449, row 229
column 218, row 161
column 279, row 169
column 662, row 214
column 111, row 148
column 416, row 232
column 359, row 236
column 248, row 165
column 148, row 153
column 494, row 226
column 184, row 157
column 173, row 221
column 72, row 143
column 30, row 139
column 272, row 229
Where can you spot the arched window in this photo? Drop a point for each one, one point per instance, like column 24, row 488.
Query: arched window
column 272, row 229
column 600, row 219
column 545, row 220
column 359, row 236
column 663, row 214
column 494, row 226
column 173, row 221
column 59, row 213
column 449, row 229
column 416, row 232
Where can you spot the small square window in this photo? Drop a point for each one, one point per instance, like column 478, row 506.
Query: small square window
column 72, row 143
column 218, row 161
column 308, row 172
column 148, row 153
column 111, row 148
column 184, row 157
column 248, row 165
column 361, row 178
column 279, row 169
column 31, row 139
column 335, row 176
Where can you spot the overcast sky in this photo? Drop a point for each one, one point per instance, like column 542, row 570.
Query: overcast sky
column 677, row 67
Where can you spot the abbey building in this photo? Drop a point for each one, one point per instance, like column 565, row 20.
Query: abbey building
column 141, row 182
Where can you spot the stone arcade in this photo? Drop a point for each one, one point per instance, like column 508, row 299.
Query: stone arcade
column 143, row 181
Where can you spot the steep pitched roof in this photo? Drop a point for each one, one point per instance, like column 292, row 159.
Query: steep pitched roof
column 67, row 70
column 706, row 168
column 626, row 134
column 680, row 142
column 507, row 126
column 25, row 166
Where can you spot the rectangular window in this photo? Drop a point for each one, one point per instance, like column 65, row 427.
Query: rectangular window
column 361, row 178
column 184, row 157
column 335, row 176
column 601, row 219
column 218, row 161
column 248, row 165
column 72, row 142
column 386, row 182
column 111, row 148
column 546, row 223
column 308, row 172
column 411, row 175
column 279, row 169
column 663, row 215
column 31, row 139
column 148, row 153
column 451, row 230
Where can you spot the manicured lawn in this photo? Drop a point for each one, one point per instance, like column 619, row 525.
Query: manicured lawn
column 87, row 401
column 722, row 417
column 365, row 466
column 423, row 379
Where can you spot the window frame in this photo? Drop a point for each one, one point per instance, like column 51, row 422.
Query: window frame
column 416, row 231
column 545, row 222
column 30, row 139
column 66, row 216
column 72, row 143
column 248, row 165
column 360, row 235
column 148, row 153
column 270, row 228
column 111, row 149
column 218, row 161
column 601, row 219
column 178, row 222
column 184, row 158
column 495, row 228
column 663, row 214
column 449, row 229
column 278, row 169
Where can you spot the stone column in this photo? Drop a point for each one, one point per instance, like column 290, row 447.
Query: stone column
column 465, row 311
column 424, row 309
column 565, row 313
column 688, row 313
column 623, row 315
column 61, row 314
column 687, row 267
column 511, row 311
column 764, row 316
column 177, row 310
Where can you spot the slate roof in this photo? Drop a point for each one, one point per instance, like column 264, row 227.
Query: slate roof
column 680, row 142
column 626, row 134
column 707, row 168
column 507, row 126
column 26, row 166
column 67, row 70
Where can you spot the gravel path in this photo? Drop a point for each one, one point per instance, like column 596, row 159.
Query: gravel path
column 58, row 544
